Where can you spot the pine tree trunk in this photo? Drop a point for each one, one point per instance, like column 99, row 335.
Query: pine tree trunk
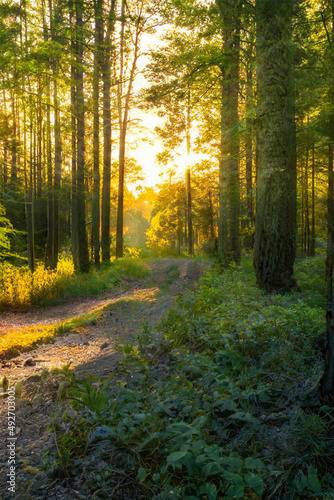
column 229, row 201
column 106, row 75
column 312, row 247
column 57, row 173
column 275, row 233
column 13, row 172
column 96, row 133
column 249, row 149
column 327, row 383
column 83, row 253
column 74, row 201
column 123, row 125
column 188, row 181
column 48, row 260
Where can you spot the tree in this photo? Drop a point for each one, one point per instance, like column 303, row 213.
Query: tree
column 98, row 38
column 80, row 115
column 229, row 198
column 275, row 233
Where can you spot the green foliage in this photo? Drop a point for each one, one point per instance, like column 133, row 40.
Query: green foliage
column 220, row 400
column 21, row 288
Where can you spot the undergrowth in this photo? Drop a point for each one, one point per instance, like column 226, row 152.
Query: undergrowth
column 20, row 288
column 220, row 400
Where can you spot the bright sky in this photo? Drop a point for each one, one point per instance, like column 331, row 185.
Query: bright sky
column 145, row 143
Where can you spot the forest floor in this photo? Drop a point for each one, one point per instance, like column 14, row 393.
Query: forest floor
column 89, row 350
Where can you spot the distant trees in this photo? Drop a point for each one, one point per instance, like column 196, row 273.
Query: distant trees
column 68, row 74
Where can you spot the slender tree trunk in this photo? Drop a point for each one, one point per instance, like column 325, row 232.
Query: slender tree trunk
column 13, row 172
column 96, row 133
column 49, row 261
column 57, row 172
column 5, row 143
column 312, row 247
column 188, row 181
column 74, row 200
column 249, row 148
column 106, row 75
column 29, row 198
column 229, row 240
column 83, row 253
column 275, row 233
column 39, row 139
column 123, row 124
column 307, row 208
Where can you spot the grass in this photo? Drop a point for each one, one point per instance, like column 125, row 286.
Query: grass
column 20, row 288
column 56, row 285
column 220, row 400
column 26, row 338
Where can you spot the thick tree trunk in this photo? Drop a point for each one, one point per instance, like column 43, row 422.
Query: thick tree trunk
column 83, row 253
column 275, row 233
column 327, row 383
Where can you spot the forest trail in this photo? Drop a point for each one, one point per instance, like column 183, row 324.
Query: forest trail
column 90, row 350
column 123, row 314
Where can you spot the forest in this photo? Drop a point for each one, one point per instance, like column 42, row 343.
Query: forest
column 167, row 249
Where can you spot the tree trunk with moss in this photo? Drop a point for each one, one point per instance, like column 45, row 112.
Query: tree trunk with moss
column 229, row 196
column 275, row 232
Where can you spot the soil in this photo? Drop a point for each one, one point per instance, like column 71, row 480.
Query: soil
column 88, row 350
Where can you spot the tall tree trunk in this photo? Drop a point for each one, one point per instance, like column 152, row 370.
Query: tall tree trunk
column 312, row 246
column 123, row 124
column 106, row 75
column 57, row 172
column 13, row 172
column 29, row 198
column 96, row 132
column 74, row 200
column 249, row 147
column 327, row 383
column 39, row 139
column 229, row 240
column 306, row 202
column 49, row 261
column 275, row 232
column 83, row 253
column 188, row 180
column 5, row 142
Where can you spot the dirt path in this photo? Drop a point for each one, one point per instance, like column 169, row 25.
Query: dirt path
column 89, row 351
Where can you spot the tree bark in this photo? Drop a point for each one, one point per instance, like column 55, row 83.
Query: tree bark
column 96, row 132
column 74, row 201
column 275, row 232
column 229, row 240
column 83, row 253
column 188, row 181
column 123, row 124
column 106, row 75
